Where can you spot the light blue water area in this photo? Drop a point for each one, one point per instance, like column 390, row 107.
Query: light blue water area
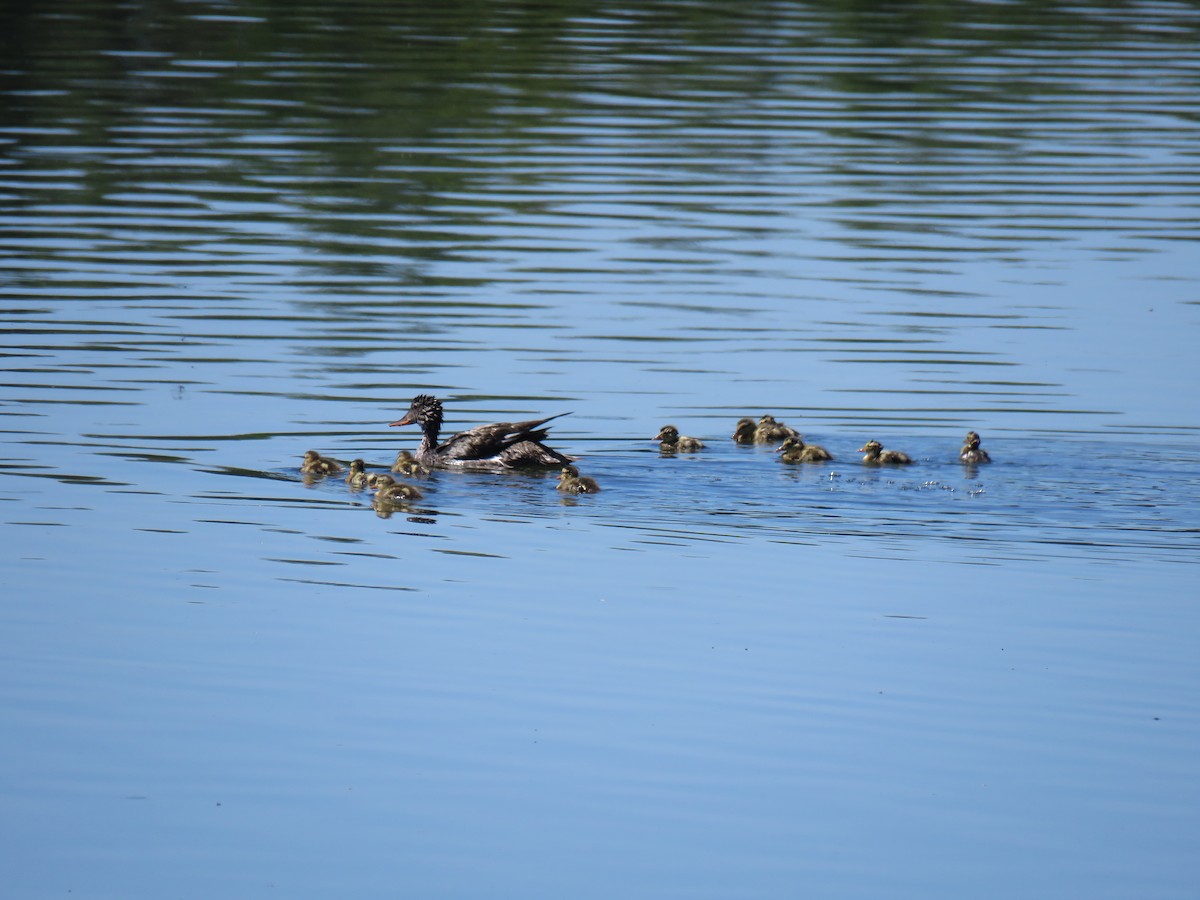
column 230, row 236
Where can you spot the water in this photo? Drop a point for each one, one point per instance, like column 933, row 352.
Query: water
column 231, row 234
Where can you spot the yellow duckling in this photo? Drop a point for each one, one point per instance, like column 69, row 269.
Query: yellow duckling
column 876, row 455
column 795, row 450
column 387, row 489
column 357, row 476
column 769, row 431
column 570, row 481
column 316, row 464
column 971, row 452
column 673, row 442
column 406, row 464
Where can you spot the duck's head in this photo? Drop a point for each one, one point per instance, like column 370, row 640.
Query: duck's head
column 789, row 443
column 767, row 420
column 872, row 447
column 972, row 440
column 745, row 430
column 311, row 456
column 357, row 466
column 668, row 434
column 425, row 410
column 568, row 472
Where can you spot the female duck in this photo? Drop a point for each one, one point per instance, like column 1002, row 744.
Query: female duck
column 794, row 450
column 876, row 455
column 356, row 478
column 498, row 447
column 671, row 441
column 571, row 482
column 316, row 464
column 971, row 452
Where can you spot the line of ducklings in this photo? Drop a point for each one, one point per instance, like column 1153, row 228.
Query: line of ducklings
column 793, row 449
column 389, row 491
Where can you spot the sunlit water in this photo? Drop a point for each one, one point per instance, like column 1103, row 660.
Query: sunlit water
column 233, row 234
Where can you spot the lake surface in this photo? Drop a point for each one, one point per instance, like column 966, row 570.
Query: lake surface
column 232, row 233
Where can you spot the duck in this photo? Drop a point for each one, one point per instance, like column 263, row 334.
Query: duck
column 570, row 481
column 406, row 464
column 316, row 464
column 490, row 448
column 387, row 489
column 795, row 450
column 876, row 455
column 744, row 431
column 971, row 452
column 671, row 441
column 769, row 431
column 357, row 476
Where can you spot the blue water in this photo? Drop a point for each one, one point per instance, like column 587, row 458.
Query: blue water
column 231, row 235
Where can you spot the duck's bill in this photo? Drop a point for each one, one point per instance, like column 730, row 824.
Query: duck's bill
column 407, row 420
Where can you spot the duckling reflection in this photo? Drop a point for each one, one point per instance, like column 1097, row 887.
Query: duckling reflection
column 356, row 478
column 571, row 482
column 769, row 431
column 876, row 455
column 316, row 464
column 794, row 450
column 972, row 453
column 671, row 441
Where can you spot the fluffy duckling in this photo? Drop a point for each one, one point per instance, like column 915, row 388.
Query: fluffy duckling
column 357, row 476
column 406, row 464
column 570, row 481
column 971, row 452
column 769, row 431
column 388, row 489
column 671, row 441
column 316, row 464
column 876, row 455
column 795, row 450
column 744, row 432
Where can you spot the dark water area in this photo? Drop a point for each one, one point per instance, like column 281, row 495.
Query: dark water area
column 230, row 233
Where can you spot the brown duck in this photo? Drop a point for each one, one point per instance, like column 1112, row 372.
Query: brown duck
column 876, row 455
column 971, row 452
column 571, row 482
column 316, row 464
column 671, row 441
column 497, row 447
column 794, row 450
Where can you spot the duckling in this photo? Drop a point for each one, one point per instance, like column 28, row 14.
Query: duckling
column 357, row 476
column 769, row 431
column 406, row 464
column 316, row 464
column 387, row 489
column 876, row 455
column 743, row 433
column 570, row 481
column 795, row 450
column 971, row 452
column 673, row 442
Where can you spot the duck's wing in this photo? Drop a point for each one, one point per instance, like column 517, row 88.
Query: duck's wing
column 488, row 441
